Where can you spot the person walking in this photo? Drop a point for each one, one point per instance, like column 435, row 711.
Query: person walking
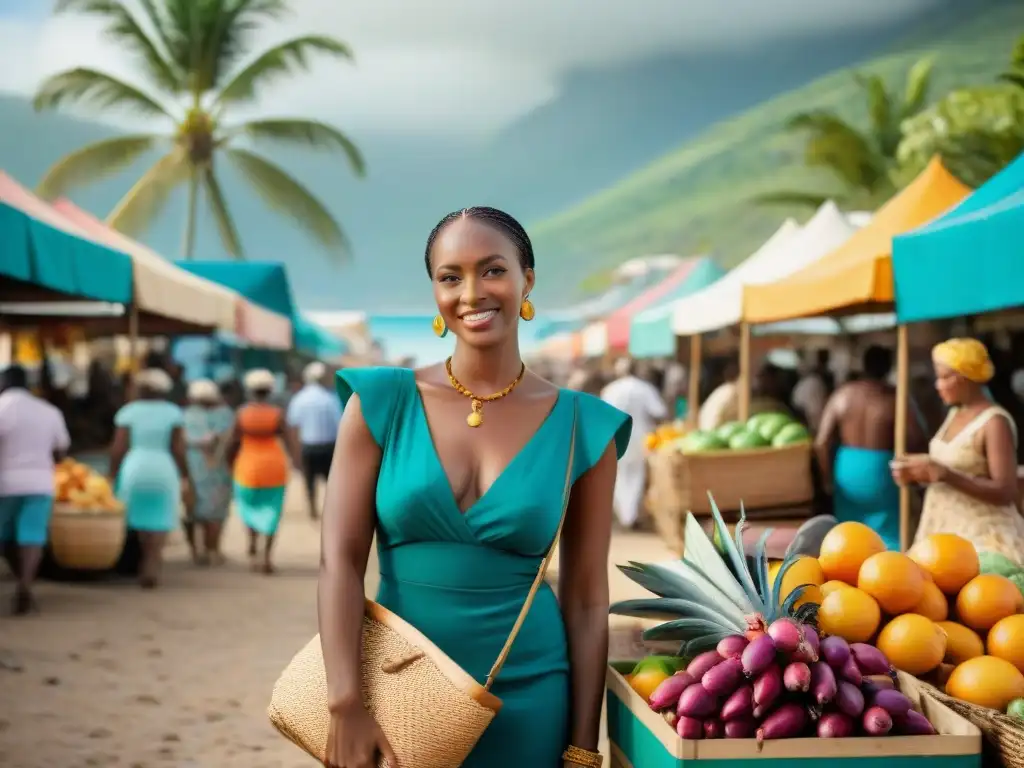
column 33, row 435
column 149, row 468
column 261, row 466
column 208, row 424
column 315, row 413
column 642, row 401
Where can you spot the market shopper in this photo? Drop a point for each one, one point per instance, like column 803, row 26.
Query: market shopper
column 149, row 467
column 314, row 413
column 33, row 435
column 261, row 467
column 208, row 424
column 971, row 467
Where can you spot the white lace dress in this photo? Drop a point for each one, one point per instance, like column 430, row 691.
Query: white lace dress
column 989, row 527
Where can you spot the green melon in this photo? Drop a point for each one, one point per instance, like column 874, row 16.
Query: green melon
column 747, row 439
column 791, row 434
column 730, row 428
column 700, row 442
column 993, row 562
column 770, row 426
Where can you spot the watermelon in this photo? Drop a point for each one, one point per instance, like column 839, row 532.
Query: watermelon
column 700, row 442
column 747, row 439
column 772, row 424
column 791, row 434
column 730, row 428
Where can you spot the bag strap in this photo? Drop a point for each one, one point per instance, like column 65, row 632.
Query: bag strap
column 543, row 569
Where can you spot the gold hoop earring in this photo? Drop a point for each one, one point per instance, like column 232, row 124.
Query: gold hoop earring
column 440, row 329
column 526, row 311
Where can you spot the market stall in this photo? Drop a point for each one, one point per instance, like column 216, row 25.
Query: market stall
column 317, row 342
column 857, row 277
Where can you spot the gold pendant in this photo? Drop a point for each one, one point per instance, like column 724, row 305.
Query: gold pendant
column 476, row 418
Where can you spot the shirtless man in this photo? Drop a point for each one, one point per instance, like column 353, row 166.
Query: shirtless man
column 854, row 446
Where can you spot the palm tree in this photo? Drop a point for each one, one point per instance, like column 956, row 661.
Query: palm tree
column 863, row 161
column 1015, row 74
column 194, row 55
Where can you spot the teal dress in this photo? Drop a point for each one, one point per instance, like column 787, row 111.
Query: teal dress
column 148, row 483
column 461, row 578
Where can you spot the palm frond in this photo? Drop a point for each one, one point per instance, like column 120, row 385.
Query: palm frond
column 221, row 214
column 95, row 89
column 1013, row 77
column 94, row 162
column 280, row 61
column 884, row 126
column 283, row 193
column 310, row 133
column 147, row 198
column 812, row 200
column 124, row 29
column 919, row 81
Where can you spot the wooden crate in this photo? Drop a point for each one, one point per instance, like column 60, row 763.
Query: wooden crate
column 640, row 738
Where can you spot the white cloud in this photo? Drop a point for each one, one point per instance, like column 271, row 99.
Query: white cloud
column 461, row 65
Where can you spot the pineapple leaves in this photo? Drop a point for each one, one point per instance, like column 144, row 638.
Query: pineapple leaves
column 669, row 608
column 736, row 557
column 777, row 586
column 761, row 562
column 698, row 645
column 686, row 628
column 700, row 552
column 678, row 579
column 791, row 598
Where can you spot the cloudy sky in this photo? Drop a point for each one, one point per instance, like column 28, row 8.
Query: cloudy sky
column 453, row 66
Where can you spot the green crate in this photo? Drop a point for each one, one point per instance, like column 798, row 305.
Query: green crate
column 640, row 738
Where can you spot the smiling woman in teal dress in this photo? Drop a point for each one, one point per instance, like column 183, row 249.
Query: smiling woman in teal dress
column 459, row 468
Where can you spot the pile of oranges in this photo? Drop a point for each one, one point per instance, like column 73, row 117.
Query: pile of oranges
column 928, row 611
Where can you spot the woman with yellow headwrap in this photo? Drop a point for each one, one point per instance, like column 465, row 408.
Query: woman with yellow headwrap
column 971, row 467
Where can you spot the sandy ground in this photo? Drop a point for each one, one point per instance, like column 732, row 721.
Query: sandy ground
column 114, row 676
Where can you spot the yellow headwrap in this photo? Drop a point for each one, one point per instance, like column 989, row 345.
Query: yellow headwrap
column 968, row 357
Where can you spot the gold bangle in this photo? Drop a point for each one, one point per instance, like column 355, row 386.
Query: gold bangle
column 583, row 757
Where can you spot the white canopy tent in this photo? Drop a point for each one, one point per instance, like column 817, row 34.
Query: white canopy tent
column 721, row 305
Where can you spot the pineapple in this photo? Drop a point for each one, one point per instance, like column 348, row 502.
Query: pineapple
column 714, row 591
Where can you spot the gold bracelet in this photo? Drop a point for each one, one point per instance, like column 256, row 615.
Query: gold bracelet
column 583, row 757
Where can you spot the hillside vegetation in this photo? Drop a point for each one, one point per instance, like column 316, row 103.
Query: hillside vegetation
column 702, row 194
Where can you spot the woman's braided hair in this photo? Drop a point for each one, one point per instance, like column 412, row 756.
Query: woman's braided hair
column 500, row 220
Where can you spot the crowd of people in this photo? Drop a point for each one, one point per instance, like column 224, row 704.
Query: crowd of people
column 179, row 456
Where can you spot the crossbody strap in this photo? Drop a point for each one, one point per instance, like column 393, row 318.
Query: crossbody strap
column 543, row 569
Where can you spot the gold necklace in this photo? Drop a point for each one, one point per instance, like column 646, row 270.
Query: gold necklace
column 476, row 416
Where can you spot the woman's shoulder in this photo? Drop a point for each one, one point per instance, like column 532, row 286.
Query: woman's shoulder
column 598, row 425
column 381, row 391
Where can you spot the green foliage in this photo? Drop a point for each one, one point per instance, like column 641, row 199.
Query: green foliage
column 195, row 49
column 708, row 190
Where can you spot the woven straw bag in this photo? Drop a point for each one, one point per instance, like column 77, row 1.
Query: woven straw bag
column 431, row 710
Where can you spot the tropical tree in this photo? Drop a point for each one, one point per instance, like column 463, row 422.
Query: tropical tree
column 196, row 60
column 862, row 161
column 976, row 131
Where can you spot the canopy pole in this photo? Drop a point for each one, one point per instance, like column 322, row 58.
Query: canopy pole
column 133, row 337
column 744, row 383
column 900, row 438
column 693, row 393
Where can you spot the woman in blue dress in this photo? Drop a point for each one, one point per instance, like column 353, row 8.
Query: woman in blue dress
column 149, row 468
column 208, row 423
column 460, row 468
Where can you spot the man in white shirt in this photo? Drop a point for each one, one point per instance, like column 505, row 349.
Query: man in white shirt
column 722, row 405
column 32, row 436
column 643, row 403
column 315, row 413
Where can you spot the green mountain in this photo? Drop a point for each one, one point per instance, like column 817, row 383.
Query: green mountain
column 701, row 196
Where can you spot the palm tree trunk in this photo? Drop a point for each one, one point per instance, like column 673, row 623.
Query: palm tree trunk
column 189, row 240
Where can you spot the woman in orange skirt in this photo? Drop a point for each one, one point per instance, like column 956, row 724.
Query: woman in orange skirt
column 261, row 467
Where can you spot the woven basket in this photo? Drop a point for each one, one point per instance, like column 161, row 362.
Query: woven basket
column 1004, row 735
column 86, row 541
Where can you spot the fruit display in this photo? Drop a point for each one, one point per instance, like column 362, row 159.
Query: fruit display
column 666, row 436
column 941, row 611
column 757, row 667
column 763, row 430
column 78, row 487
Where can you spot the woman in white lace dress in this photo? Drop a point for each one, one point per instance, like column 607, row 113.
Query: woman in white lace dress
column 971, row 466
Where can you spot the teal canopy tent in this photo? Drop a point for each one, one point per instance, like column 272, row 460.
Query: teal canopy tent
column 317, row 341
column 38, row 261
column 968, row 261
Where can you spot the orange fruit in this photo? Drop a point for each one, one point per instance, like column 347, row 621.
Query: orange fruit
column 933, row 603
column 1006, row 640
column 985, row 600
column 950, row 560
column 647, row 680
column 894, row 580
column 831, row 586
column 845, row 547
column 912, row 643
column 962, row 643
column 851, row 613
column 805, row 570
column 987, row 682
